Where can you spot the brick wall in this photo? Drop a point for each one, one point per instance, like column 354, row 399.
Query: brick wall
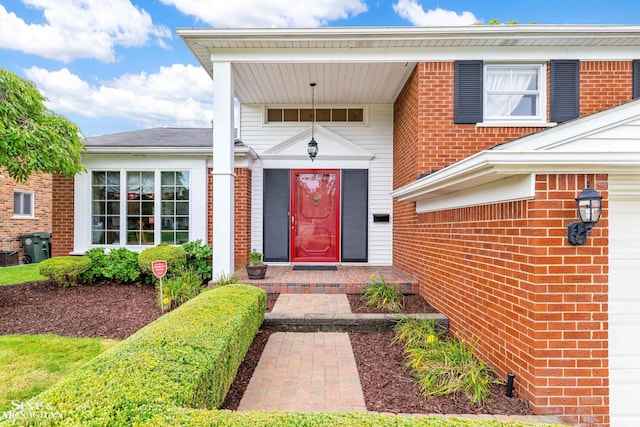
column 505, row 272
column 62, row 234
column 11, row 228
column 604, row 84
column 242, row 217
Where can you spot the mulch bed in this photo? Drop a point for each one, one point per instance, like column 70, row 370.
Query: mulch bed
column 106, row 310
column 117, row 311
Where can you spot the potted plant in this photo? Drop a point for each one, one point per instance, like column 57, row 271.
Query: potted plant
column 256, row 269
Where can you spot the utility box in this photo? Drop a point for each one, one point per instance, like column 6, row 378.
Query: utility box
column 8, row 258
column 37, row 247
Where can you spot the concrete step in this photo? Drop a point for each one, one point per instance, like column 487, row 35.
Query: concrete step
column 342, row 322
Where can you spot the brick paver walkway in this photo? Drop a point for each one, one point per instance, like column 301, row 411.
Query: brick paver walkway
column 305, row 372
column 312, row 303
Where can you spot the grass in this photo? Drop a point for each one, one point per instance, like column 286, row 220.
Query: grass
column 29, row 364
column 379, row 294
column 20, row 274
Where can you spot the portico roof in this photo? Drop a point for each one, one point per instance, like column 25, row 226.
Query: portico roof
column 371, row 64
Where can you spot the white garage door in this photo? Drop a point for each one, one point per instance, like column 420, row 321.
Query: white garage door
column 624, row 300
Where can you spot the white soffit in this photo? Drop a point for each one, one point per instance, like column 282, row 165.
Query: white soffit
column 330, row 146
column 371, row 64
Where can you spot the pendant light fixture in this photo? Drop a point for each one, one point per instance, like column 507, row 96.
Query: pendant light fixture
column 312, row 147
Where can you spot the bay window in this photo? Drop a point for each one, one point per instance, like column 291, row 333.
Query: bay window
column 149, row 206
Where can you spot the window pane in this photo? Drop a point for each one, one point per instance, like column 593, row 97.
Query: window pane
column 175, row 208
column 339, row 115
column 105, row 215
column 356, row 115
column 274, row 114
column 306, row 114
column 323, row 115
column 140, row 207
column 291, row 115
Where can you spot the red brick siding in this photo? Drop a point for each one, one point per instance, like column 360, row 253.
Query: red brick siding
column 506, row 273
column 604, row 84
column 63, row 207
column 242, row 217
column 11, row 228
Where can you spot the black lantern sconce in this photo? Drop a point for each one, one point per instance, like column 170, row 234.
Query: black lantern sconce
column 589, row 211
column 312, row 146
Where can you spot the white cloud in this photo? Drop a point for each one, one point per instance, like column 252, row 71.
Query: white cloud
column 414, row 13
column 79, row 29
column 269, row 13
column 179, row 95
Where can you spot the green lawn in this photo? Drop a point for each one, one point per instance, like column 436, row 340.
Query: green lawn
column 29, row 364
column 20, row 274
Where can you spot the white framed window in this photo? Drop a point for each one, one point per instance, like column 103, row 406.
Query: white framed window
column 153, row 208
column 514, row 93
column 23, row 203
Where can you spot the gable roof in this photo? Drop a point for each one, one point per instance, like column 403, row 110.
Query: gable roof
column 604, row 142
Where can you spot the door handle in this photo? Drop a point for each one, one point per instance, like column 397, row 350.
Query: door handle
column 293, row 221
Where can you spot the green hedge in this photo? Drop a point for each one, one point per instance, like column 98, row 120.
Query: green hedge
column 187, row 358
column 66, row 270
column 201, row 418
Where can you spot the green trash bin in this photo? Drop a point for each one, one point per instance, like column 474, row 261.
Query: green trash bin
column 37, row 247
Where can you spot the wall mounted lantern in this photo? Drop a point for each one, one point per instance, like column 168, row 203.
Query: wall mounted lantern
column 312, row 147
column 589, row 210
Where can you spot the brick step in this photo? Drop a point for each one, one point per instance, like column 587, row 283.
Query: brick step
column 342, row 322
column 405, row 288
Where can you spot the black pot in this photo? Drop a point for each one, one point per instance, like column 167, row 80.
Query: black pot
column 256, row 272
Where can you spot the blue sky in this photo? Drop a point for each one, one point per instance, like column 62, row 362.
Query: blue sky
column 118, row 65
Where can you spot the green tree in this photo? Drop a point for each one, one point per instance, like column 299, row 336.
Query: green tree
column 32, row 137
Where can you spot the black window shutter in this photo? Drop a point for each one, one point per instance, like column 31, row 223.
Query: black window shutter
column 565, row 90
column 355, row 211
column 276, row 215
column 636, row 78
column 468, row 92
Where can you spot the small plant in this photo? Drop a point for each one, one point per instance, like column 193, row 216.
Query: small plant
column 66, row 270
column 199, row 258
column 122, row 265
column 180, row 288
column 442, row 365
column 379, row 294
column 255, row 258
column 226, row 279
column 98, row 263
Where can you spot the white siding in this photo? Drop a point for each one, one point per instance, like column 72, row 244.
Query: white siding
column 624, row 300
column 376, row 136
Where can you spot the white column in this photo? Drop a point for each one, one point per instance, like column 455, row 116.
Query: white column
column 223, row 176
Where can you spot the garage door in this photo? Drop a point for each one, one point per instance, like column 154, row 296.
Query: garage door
column 624, row 300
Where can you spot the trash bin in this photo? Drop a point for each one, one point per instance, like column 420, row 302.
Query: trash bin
column 36, row 247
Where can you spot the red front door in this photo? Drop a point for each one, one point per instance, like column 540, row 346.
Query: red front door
column 315, row 215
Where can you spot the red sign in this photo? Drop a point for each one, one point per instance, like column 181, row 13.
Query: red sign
column 159, row 268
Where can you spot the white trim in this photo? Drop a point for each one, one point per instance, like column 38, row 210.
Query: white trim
column 82, row 194
column 519, row 187
column 515, row 124
column 32, row 196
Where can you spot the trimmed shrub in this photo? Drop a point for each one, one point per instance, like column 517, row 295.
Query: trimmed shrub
column 198, row 258
column 188, row 358
column 201, row 418
column 179, row 289
column 174, row 255
column 66, row 270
